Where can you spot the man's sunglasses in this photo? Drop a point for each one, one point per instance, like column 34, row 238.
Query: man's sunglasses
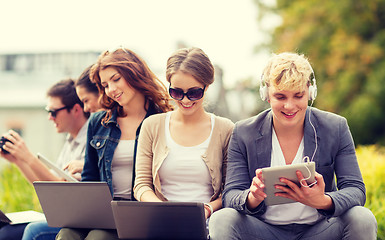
column 55, row 112
column 192, row 94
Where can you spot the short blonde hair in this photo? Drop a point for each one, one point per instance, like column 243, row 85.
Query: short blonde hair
column 288, row 71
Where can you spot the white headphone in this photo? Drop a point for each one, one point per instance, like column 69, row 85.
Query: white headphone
column 264, row 91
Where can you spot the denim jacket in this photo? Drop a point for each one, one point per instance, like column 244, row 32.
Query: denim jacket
column 101, row 144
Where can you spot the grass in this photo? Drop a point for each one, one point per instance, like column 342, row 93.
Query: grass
column 17, row 194
column 372, row 164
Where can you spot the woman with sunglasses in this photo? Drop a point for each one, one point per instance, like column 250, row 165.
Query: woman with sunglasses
column 182, row 154
column 130, row 92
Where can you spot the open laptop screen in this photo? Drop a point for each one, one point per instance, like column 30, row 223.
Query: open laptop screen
column 159, row 220
column 76, row 204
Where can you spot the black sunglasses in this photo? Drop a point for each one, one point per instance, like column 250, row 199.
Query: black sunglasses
column 192, row 94
column 54, row 112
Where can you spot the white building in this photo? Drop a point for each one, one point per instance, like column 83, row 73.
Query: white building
column 24, row 80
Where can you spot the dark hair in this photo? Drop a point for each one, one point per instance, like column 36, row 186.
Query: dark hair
column 136, row 73
column 65, row 90
column 85, row 81
column 192, row 61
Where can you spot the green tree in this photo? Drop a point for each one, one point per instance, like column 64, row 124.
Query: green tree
column 345, row 42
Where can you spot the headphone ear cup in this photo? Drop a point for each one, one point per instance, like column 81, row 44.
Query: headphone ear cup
column 312, row 92
column 263, row 92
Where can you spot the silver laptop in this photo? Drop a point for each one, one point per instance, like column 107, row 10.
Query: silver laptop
column 160, row 220
column 76, row 204
column 61, row 173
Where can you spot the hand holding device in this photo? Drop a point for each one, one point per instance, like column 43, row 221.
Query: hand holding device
column 314, row 196
column 256, row 194
column 272, row 176
column 61, row 173
column 3, row 140
column 20, row 152
column 74, row 166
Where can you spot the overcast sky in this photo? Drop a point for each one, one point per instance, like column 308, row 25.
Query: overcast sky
column 225, row 29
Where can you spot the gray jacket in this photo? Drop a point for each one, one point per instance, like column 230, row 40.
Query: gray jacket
column 250, row 149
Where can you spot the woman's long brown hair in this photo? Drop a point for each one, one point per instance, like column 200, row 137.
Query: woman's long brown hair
column 137, row 74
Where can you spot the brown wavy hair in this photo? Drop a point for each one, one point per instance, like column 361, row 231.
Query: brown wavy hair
column 192, row 61
column 136, row 73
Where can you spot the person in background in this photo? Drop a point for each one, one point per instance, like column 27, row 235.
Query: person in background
column 65, row 110
column 182, row 154
column 289, row 133
column 88, row 93
column 130, row 92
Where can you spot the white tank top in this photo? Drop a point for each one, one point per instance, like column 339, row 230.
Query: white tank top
column 121, row 168
column 184, row 176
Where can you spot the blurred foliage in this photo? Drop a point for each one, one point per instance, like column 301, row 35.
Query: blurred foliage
column 16, row 193
column 345, row 43
column 372, row 164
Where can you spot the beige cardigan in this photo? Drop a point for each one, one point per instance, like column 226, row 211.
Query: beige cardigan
column 152, row 151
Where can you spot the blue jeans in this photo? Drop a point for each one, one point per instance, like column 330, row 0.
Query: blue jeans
column 356, row 223
column 12, row 232
column 40, row 231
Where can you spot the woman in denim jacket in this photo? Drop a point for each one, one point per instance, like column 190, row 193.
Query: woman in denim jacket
column 130, row 92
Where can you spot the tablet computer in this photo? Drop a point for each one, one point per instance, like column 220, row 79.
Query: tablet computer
column 60, row 172
column 271, row 176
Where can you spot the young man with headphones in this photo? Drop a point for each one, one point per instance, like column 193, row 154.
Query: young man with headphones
column 288, row 133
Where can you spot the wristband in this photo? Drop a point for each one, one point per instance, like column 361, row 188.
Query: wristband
column 209, row 208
